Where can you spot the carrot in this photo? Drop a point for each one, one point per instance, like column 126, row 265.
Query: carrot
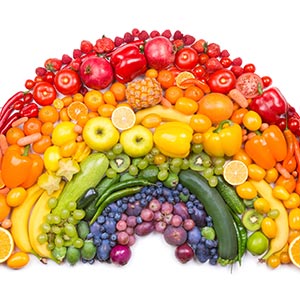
column 283, row 171
column 238, row 97
column 289, row 136
column 3, row 143
column 4, row 191
column 78, row 129
column 19, row 122
column 29, row 139
column 6, row 223
column 165, row 102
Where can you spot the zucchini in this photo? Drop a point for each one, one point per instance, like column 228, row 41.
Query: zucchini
column 230, row 196
column 216, row 207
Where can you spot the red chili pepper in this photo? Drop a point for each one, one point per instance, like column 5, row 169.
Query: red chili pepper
column 30, row 110
column 270, row 105
column 7, row 122
column 128, row 62
column 10, row 103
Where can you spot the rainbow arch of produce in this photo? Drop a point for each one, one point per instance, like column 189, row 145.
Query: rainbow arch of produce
column 150, row 132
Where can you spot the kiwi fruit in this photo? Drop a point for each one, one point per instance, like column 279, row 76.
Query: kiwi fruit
column 252, row 219
column 196, row 162
column 120, row 162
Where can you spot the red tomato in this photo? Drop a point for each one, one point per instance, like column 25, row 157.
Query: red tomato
column 249, row 84
column 67, row 82
column 44, row 93
column 222, row 81
column 186, row 58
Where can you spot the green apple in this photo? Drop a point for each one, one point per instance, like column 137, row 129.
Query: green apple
column 100, row 134
column 137, row 141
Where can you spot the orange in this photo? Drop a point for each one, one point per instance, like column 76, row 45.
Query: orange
column 48, row 113
column 7, row 244
column 93, row 99
column 118, row 90
column 4, row 208
column 67, row 100
column 173, row 93
column 165, row 78
column 216, row 106
column 153, row 73
column 13, row 134
column 194, row 93
column 182, row 76
column 58, row 103
column 78, row 97
column 235, row 172
column 123, row 118
column 32, row 125
column 76, row 109
column 47, row 128
column 2, row 185
column 294, row 251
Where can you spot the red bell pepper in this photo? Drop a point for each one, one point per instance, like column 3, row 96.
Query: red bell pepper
column 270, row 105
column 128, row 62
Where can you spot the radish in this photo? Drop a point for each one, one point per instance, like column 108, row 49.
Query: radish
column 159, row 53
column 96, row 73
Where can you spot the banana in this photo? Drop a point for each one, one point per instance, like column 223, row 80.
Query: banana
column 20, row 217
column 37, row 217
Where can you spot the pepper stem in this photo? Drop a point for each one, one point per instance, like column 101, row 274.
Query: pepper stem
column 26, row 150
column 221, row 125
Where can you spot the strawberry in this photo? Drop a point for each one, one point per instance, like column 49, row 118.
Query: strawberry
column 86, row 46
column 104, row 44
column 53, row 64
column 200, row 46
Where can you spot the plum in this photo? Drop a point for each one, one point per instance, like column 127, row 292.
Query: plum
column 175, row 235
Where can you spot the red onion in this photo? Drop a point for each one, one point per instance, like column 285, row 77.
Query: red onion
column 120, row 254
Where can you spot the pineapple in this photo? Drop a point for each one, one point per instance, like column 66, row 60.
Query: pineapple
column 143, row 93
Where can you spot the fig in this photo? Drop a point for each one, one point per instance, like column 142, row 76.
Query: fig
column 175, row 235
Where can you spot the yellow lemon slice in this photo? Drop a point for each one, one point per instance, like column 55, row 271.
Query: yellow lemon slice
column 123, row 117
column 6, row 244
column 235, row 172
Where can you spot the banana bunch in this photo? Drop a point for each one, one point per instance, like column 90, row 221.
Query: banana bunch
column 27, row 219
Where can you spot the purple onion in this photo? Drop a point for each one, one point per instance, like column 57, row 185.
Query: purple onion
column 120, row 254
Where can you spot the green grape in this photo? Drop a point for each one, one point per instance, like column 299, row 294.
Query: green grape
column 117, row 149
column 155, row 151
column 65, row 214
column 49, row 219
column 58, row 241
column 197, row 148
column 149, row 158
column 162, row 175
column 206, row 162
column 133, row 170
column 218, row 170
column 208, row 172
column 72, row 220
column 185, row 164
column 50, row 246
column 174, row 169
column 208, row 233
column 56, row 229
column 176, row 162
column 78, row 214
column 42, row 238
column 111, row 173
column 164, row 166
column 78, row 243
column 212, row 181
column 52, row 202
column 143, row 164
column 70, row 230
column 72, row 206
column 136, row 161
column 110, row 154
column 45, row 227
column 219, row 161
column 56, row 219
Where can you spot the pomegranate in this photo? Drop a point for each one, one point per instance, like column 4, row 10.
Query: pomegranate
column 96, row 73
column 159, row 53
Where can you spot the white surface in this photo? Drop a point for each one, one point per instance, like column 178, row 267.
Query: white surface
column 265, row 33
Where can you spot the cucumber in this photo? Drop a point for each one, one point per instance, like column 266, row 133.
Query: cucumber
column 216, row 207
column 230, row 196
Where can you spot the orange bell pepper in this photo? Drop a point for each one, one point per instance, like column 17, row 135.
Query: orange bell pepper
column 35, row 171
column 16, row 166
column 267, row 148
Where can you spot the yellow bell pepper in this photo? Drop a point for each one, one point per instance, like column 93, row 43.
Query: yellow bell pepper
column 173, row 139
column 226, row 139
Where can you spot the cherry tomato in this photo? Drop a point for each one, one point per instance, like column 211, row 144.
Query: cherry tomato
column 294, row 124
column 267, row 81
column 252, row 120
column 294, row 218
column 186, row 58
column 249, row 84
column 249, row 68
column 199, row 71
column 44, row 93
column 269, row 227
column 226, row 62
column 222, row 81
column 29, row 84
column 67, row 81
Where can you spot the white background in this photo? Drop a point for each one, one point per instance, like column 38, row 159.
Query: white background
column 265, row 33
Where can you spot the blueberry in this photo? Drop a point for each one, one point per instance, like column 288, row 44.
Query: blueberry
column 103, row 250
column 101, row 219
